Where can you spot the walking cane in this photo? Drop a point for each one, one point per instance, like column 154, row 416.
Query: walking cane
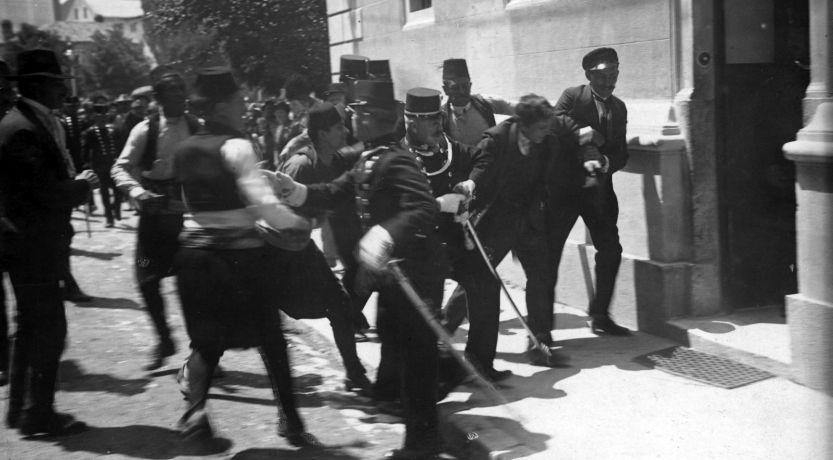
column 87, row 212
column 443, row 335
column 540, row 354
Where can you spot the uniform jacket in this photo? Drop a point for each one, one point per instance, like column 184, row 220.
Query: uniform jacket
column 398, row 197
column 38, row 191
column 576, row 109
column 101, row 148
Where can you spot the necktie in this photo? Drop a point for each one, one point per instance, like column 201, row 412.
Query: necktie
column 604, row 120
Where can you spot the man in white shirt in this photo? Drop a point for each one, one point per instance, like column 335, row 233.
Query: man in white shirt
column 144, row 171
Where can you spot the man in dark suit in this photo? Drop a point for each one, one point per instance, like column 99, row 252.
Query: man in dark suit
column 597, row 120
column 398, row 211
column 40, row 189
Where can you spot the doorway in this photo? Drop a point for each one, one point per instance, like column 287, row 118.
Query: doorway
column 764, row 78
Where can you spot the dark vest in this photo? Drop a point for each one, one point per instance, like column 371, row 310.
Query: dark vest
column 201, row 173
column 149, row 155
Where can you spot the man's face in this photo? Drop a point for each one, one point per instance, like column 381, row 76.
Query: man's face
column 366, row 122
column 458, row 90
column 298, row 108
column 172, row 100
column 335, row 136
column 425, row 130
column 603, row 81
column 282, row 116
column 536, row 131
column 139, row 107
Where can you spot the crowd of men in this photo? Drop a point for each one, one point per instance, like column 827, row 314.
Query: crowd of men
column 228, row 191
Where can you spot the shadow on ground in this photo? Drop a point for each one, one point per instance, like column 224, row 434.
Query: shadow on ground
column 95, row 254
column 138, row 441
column 325, row 453
column 119, row 303
column 73, row 378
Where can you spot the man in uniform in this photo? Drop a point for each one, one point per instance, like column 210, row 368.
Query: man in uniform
column 39, row 188
column 144, row 171
column 100, row 151
column 598, row 121
column 399, row 212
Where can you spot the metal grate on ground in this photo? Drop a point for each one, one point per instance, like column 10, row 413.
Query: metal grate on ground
column 702, row 367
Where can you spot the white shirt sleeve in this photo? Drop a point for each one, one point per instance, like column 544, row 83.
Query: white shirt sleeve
column 126, row 170
column 256, row 190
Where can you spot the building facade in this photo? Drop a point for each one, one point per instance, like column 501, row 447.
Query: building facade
column 714, row 90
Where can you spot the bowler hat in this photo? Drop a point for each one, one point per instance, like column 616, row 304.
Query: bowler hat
column 600, row 59
column 37, row 63
column 374, row 93
column 353, row 66
column 379, row 69
column 123, row 97
column 163, row 71
column 422, row 102
column 455, row 68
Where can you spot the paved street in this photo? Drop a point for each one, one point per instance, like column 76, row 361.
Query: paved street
column 133, row 414
column 604, row 406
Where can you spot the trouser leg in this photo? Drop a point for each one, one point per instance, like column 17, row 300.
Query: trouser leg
column 104, row 191
column 388, row 379
column 600, row 213
column 340, row 321
column 200, row 369
column 155, row 304
column 276, row 360
column 4, row 329
column 456, row 309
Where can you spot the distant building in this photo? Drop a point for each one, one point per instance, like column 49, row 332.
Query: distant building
column 78, row 20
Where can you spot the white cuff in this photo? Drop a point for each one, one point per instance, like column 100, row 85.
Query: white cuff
column 298, row 195
column 450, row 202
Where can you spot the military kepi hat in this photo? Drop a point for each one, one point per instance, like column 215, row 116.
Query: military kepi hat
column 379, row 69
column 215, row 83
column 374, row 93
column 163, row 71
column 422, row 102
column 334, row 88
column 455, row 68
column 353, row 66
column 37, row 63
column 600, row 59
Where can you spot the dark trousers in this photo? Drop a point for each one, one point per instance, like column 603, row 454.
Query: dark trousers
column 409, row 351
column 501, row 230
column 229, row 299
column 41, row 328
column 599, row 209
column 156, row 246
column 112, row 209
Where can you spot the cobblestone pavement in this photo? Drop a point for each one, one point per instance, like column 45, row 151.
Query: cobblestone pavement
column 133, row 414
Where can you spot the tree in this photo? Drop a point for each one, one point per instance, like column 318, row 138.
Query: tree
column 29, row 37
column 114, row 64
column 264, row 41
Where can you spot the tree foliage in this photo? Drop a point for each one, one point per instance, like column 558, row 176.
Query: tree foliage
column 29, row 37
column 264, row 41
column 115, row 64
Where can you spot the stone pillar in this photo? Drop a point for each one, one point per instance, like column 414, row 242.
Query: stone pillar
column 695, row 104
column 810, row 312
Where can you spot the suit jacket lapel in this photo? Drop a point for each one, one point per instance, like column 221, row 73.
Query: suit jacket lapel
column 44, row 134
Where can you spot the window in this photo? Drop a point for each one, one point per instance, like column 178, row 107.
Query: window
column 417, row 5
column 85, row 13
column 75, row 13
column 418, row 12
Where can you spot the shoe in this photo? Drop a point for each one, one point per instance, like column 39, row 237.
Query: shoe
column 109, row 225
column 603, row 325
column 359, row 384
column 495, row 376
column 53, row 424
column 4, row 378
column 157, row 357
column 77, row 296
column 539, row 357
column 302, row 439
column 196, row 427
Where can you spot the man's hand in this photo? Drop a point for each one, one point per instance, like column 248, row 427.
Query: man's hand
column 588, row 135
column 375, row 249
column 150, row 202
column 91, row 178
column 286, row 189
column 451, row 202
column 466, row 188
